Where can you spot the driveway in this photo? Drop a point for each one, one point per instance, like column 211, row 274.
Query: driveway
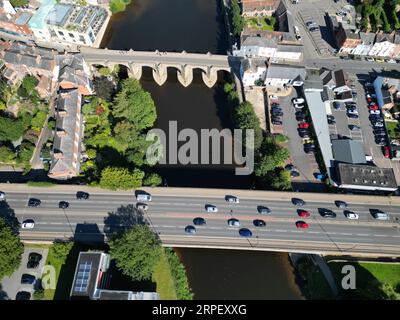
column 11, row 285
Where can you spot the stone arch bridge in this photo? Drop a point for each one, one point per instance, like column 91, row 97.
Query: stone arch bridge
column 184, row 62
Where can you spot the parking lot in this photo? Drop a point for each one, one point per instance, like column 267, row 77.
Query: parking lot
column 12, row 285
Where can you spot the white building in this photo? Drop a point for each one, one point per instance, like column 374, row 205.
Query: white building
column 289, row 53
column 257, row 47
column 382, row 49
column 253, row 70
column 281, row 76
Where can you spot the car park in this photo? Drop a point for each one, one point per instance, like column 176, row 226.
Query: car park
column 211, row 208
column 340, row 204
column 298, row 202
column 259, row 223
column 28, row 279
column 33, row 260
column 350, row 215
column 327, row 213
column 231, row 199
column 190, row 229
column 301, row 225
column 199, row 221
column 303, row 213
column 63, row 204
column 244, row 232
column 81, row 195
column 28, row 224
column 263, row 210
column 33, row 202
column 233, row 222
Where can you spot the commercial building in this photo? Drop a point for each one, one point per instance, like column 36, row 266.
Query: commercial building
column 253, row 72
column 348, row 151
column 281, row 76
column 92, row 278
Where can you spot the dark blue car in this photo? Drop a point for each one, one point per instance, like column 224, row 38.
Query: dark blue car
column 244, row 232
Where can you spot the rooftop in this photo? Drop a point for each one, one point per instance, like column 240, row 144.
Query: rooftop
column 348, row 151
column 38, row 20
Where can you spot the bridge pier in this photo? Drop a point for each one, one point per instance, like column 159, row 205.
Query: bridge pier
column 160, row 74
column 210, row 77
column 135, row 71
column 185, row 75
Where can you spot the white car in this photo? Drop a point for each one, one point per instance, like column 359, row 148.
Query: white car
column 354, row 111
column 28, row 224
column 370, row 59
column 273, row 97
column 298, row 101
column 378, row 124
column 299, row 106
column 374, row 111
column 2, row 196
column 391, row 61
column 298, row 83
column 351, row 215
column 371, row 95
column 211, row 208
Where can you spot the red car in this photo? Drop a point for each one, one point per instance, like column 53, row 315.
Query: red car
column 373, row 107
column 301, row 225
column 369, row 99
column 304, row 125
column 386, row 152
column 303, row 213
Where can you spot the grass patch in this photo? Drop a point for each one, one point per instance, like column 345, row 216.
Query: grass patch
column 262, row 23
column 40, row 184
column 281, row 138
column 393, row 129
column 163, row 278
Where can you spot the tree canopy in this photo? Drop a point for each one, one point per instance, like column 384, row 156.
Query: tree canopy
column 10, row 129
column 115, row 178
column 136, row 252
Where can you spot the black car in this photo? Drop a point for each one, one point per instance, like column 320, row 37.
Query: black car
column 23, row 295
column 28, row 279
column 326, row 213
column 340, row 204
column 354, row 127
column 33, row 202
column 336, row 105
column 352, row 115
column 63, row 204
column 309, row 145
column 303, row 130
column 304, row 135
column 331, row 121
column 308, row 150
column 375, row 118
column 298, row 202
column 380, row 133
column 33, row 260
column 277, row 113
column 82, row 195
column 199, row 221
column 259, row 223
column 380, row 142
column 289, row 167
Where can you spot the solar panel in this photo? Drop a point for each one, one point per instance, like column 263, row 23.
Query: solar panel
column 82, row 278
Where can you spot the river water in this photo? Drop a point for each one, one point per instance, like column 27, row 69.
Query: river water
column 197, row 26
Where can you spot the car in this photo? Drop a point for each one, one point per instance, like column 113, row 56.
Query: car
column 294, row 174
column 369, row 100
column 371, row 95
column 303, row 213
column 298, row 37
column 331, row 117
column 352, row 111
column 289, row 167
column 327, row 213
column 303, row 130
column 277, row 123
column 143, row 196
column 298, row 106
column 28, row 279
column 375, row 118
column 190, row 229
column 2, row 196
column 354, row 127
column 352, row 115
column 307, row 141
column 336, row 105
column 231, row 199
column 211, row 208
column 309, row 23
column 386, row 151
column 33, row 260
column 374, row 111
column 259, row 223
column 304, row 125
column 277, row 113
column 313, row 29
column 233, row 222
column 340, row 204
column 298, row 101
column 300, row 116
column 380, row 133
column 298, row 83
column 298, row 202
column 391, row 61
column 350, row 215
column 275, row 104
column 244, row 232
column 331, row 121
column 142, row 206
column 379, row 215
column 28, row 224
column 273, row 97
column 81, row 195
column 63, row 204
column 263, row 210
column 304, row 134
column 301, row 225
column 33, row 202
column 23, row 295
column 276, row 109
column 306, row 150
column 373, row 107
column 309, row 145
column 199, row 221
column 378, row 124
column 380, row 142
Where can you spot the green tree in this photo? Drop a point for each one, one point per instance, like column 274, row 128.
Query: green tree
column 135, row 104
column 152, row 180
column 10, row 129
column 25, row 152
column 280, row 180
column 38, row 294
column 237, row 19
column 60, row 250
column 136, row 252
column 38, row 120
column 104, row 88
column 273, row 158
column 11, row 250
column 19, row 3
column 6, row 155
column 120, row 178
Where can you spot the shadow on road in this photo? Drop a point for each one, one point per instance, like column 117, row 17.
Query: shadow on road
column 121, row 220
column 88, row 233
column 8, row 214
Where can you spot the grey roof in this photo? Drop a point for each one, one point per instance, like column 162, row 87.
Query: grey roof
column 253, row 64
column 327, row 94
column 367, row 37
column 348, row 151
column 366, row 177
column 260, row 42
column 289, row 48
column 59, row 14
column 286, row 72
column 313, row 80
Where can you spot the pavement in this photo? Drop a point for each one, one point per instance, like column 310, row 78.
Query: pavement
column 12, row 285
column 172, row 209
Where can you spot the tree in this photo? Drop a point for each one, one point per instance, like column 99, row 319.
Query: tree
column 6, row 155
column 29, row 83
column 273, row 158
column 60, row 250
column 11, row 250
column 152, row 180
column 114, row 178
column 135, row 104
column 10, row 129
column 25, row 152
column 104, row 88
column 280, row 179
column 136, row 252
column 38, row 294
column 237, row 19
column 38, row 120
column 19, row 3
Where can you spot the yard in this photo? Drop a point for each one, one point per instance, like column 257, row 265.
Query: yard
column 262, row 23
column 393, row 129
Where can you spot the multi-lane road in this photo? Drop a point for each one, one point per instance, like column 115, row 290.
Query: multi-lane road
column 171, row 210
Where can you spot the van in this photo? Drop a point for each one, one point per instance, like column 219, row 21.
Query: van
column 381, row 216
column 143, row 197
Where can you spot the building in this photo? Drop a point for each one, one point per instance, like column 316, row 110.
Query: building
column 387, row 91
column 381, row 49
column 14, row 22
column 346, row 39
column 293, row 53
column 365, row 177
column 92, row 277
column 348, row 151
column 65, row 162
column 282, row 76
column 254, row 8
column 253, row 72
column 258, row 47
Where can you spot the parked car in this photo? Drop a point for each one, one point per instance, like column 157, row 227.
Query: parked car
column 2, row 196
column 82, row 195
column 263, row 210
column 313, row 29
column 63, row 204
column 299, row 106
column 273, row 97
column 352, row 115
column 33, row 260
column 304, row 125
column 378, row 124
column 379, row 215
column 303, row 213
column 304, row 134
column 309, row 150
column 301, row 225
column 354, row 127
column 28, row 279
column 244, row 232
column 142, row 206
column 300, row 116
column 373, row 107
column 199, row 221
column 386, row 151
column 352, row 111
column 298, row 202
column 294, row 174
column 350, row 215
column 374, row 111
column 336, row 105
column 28, row 224
column 289, row 167
column 309, row 145
column 211, row 208
column 23, row 295
column 33, row 202
column 233, row 222
column 298, row 83
column 380, row 141
column 340, row 204
column 276, row 122
column 298, row 101
column 190, row 229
